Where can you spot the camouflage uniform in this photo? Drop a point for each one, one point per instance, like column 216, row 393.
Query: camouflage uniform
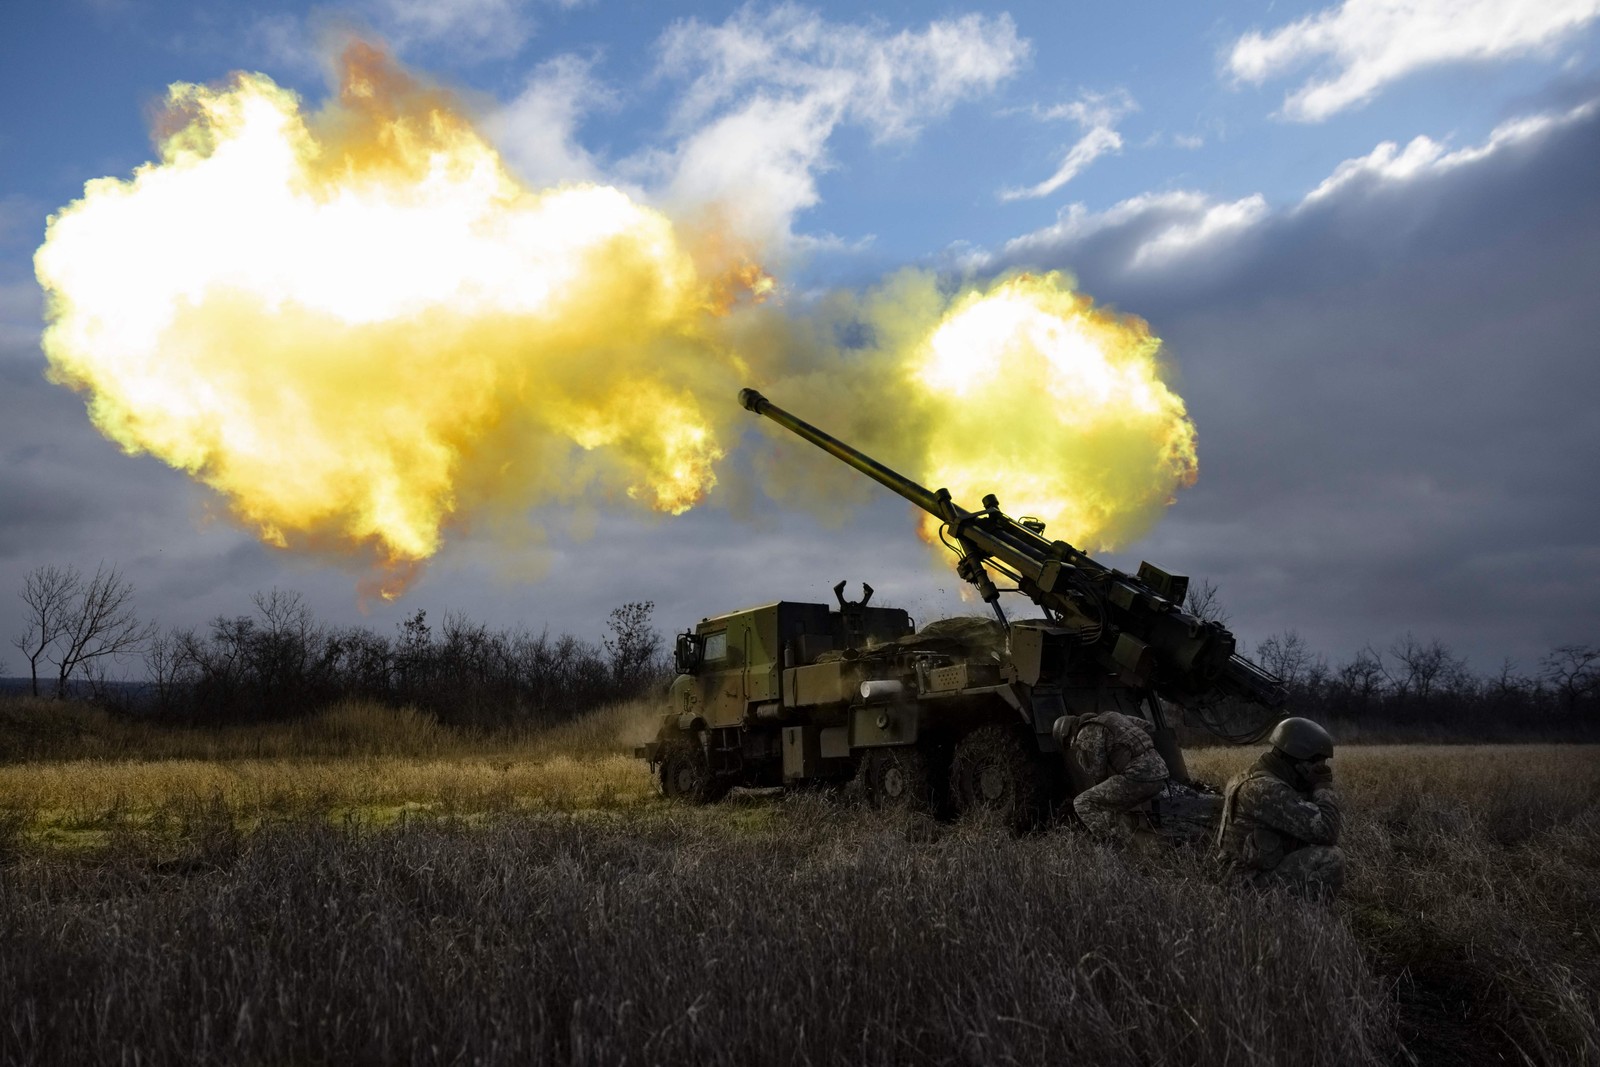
column 1272, row 834
column 1116, row 753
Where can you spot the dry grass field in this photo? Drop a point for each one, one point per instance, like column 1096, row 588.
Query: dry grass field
column 368, row 888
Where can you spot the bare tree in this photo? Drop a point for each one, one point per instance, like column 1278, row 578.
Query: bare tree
column 365, row 660
column 415, row 660
column 49, row 593
column 100, row 624
column 1204, row 603
column 285, row 641
column 1507, row 687
column 1575, row 672
column 1287, row 655
column 283, row 611
column 168, row 667
column 1424, row 667
column 1362, row 678
column 633, row 646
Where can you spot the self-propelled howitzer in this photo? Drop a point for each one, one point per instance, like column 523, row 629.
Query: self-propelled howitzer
column 1134, row 625
column 959, row 715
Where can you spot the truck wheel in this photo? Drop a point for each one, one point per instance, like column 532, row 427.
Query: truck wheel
column 994, row 771
column 901, row 779
column 685, row 774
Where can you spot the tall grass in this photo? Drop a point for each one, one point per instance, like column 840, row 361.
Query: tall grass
column 369, row 885
column 32, row 730
column 815, row 935
column 100, row 794
column 365, row 762
column 1475, row 882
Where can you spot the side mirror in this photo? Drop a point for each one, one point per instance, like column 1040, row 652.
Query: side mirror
column 689, row 653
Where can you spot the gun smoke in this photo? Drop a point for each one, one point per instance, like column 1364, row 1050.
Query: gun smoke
column 365, row 334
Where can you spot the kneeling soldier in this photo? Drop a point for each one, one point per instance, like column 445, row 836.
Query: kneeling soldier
column 1281, row 818
column 1119, row 760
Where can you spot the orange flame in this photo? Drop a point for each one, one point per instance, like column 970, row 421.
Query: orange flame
column 357, row 326
column 1056, row 406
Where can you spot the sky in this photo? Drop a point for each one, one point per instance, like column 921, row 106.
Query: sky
column 1367, row 234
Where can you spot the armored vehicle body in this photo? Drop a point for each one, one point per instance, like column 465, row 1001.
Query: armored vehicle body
column 956, row 716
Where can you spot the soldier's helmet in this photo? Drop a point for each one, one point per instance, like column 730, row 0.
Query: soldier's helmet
column 1301, row 739
column 1063, row 729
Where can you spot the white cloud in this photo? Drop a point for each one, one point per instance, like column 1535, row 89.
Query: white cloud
column 1090, row 109
column 1157, row 230
column 1160, row 228
column 891, row 84
column 535, row 132
column 419, row 29
column 1214, row 222
column 755, row 167
column 1090, row 147
column 1366, row 44
column 1098, row 115
column 287, row 42
column 766, row 92
column 1389, row 163
column 487, row 29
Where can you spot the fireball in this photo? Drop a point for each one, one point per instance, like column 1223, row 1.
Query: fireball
column 357, row 326
column 1060, row 408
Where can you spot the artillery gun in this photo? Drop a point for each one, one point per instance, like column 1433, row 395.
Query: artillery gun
column 956, row 716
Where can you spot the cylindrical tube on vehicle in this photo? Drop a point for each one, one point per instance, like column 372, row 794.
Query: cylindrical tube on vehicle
column 882, row 689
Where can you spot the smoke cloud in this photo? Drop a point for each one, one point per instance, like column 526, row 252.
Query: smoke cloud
column 362, row 331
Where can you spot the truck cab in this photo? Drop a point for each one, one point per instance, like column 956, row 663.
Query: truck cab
column 731, row 667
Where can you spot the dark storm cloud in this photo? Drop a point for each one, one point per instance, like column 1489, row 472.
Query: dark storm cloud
column 60, row 479
column 1395, row 389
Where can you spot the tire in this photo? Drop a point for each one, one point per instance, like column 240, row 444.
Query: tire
column 995, row 772
column 902, row 779
column 684, row 773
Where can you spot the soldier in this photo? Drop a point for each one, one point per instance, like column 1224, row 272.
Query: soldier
column 1121, row 764
column 1281, row 818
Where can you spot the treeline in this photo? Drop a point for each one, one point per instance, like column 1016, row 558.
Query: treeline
column 1414, row 689
column 279, row 662
column 1421, row 690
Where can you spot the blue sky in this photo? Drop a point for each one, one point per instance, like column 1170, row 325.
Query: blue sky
column 91, row 71
column 1282, row 189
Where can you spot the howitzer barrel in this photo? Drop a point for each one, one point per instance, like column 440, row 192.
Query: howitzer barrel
column 1137, row 626
column 922, row 497
column 992, row 535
